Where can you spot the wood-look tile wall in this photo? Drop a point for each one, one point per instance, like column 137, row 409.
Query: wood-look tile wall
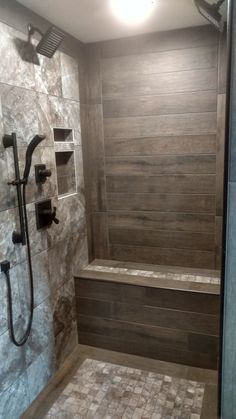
column 155, row 147
column 170, row 325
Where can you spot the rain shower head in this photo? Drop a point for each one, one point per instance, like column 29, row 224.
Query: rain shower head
column 50, row 41
column 211, row 12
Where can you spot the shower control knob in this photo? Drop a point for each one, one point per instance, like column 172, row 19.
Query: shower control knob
column 41, row 173
column 45, row 214
column 54, row 213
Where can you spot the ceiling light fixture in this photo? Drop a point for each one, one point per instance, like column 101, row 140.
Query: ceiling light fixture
column 132, row 11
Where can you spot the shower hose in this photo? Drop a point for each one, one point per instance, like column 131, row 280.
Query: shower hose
column 24, row 339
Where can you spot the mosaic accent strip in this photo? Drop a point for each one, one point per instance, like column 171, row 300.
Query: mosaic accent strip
column 101, row 390
column 160, row 275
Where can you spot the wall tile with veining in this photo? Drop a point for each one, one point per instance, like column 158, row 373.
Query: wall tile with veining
column 79, row 169
column 63, row 113
column 48, row 75
column 69, row 77
column 60, row 264
column 9, row 222
column 37, row 369
column 19, row 112
column 44, row 118
column 71, row 214
column 49, row 358
column 79, row 250
column 12, row 361
column 38, row 238
column 41, row 280
column 64, row 319
column 42, row 334
column 14, row 70
column 56, row 112
column 15, row 399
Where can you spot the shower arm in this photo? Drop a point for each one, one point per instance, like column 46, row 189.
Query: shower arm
column 10, row 141
column 32, row 29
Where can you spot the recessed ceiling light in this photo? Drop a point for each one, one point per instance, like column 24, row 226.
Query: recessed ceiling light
column 132, row 11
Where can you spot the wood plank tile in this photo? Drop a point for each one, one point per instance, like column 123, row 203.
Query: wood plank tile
column 146, row 281
column 195, row 359
column 100, row 235
column 204, row 344
column 183, row 184
column 160, row 62
column 177, row 257
column 148, row 335
column 163, row 221
column 161, row 41
column 155, row 297
column 170, row 319
column 160, row 202
column 184, row 144
column 158, row 268
column 157, row 84
column 164, row 239
column 222, row 64
column 95, row 166
column 194, row 102
column 162, row 125
column 156, row 165
column 218, row 241
column 93, row 55
column 220, row 153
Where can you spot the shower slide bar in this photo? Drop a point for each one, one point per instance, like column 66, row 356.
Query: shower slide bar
column 22, row 236
column 10, row 141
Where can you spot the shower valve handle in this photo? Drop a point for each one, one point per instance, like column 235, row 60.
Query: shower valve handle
column 54, row 213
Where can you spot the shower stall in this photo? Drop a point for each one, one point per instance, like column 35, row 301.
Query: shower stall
column 117, row 206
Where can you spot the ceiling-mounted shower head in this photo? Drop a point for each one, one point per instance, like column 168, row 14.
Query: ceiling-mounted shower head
column 49, row 42
column 211, row 12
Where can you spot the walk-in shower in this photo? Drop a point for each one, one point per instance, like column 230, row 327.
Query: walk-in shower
column 122, row 298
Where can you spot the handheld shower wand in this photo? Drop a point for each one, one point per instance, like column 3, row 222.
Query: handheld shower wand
column 23, row 236
column 28, row 157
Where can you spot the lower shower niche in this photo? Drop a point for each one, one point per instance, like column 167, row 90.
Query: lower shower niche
column 66, row 177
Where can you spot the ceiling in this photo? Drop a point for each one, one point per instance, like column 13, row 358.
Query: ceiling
column 93, row 20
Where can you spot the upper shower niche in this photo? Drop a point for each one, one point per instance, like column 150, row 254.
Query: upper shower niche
column 63, row 135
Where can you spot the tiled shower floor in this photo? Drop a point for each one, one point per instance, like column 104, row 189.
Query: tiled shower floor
column 103, row 390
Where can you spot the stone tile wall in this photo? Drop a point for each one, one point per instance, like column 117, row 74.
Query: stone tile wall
column 33, row 100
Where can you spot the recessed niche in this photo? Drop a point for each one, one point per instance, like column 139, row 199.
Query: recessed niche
column 65, row 165
column 63, row 135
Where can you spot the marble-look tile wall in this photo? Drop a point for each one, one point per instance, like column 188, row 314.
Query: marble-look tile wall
column 33, row 100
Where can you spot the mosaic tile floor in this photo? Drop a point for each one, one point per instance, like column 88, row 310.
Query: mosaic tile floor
column 102, row 390
column 152, row 274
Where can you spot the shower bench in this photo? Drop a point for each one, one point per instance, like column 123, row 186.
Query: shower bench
column 165, row 313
